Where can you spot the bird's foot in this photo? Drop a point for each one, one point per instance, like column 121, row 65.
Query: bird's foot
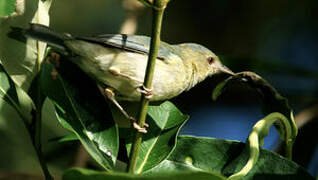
column 137, row 127
column 146, row 91
column 110, row 94
column 53, row 58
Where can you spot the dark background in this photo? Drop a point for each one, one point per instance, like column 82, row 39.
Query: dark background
column 275, row 39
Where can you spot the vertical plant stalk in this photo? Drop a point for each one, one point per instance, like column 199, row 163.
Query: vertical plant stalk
column 36, row 135
column 35, row 129
column 158, row 10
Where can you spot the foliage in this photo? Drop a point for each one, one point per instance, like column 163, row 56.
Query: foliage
column 26, row 80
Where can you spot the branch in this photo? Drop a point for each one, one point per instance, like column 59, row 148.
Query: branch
column 158, row 10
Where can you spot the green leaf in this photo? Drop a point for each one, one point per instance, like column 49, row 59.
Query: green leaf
column 16, row 97
column 227, row 157
column 20, row 56
column 164, row 122
column 66, row 138
column 6, row 7
column 85, row 174
column 82, row 109
column 147, row 3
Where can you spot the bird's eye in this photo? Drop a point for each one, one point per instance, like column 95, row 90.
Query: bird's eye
column 210, row 60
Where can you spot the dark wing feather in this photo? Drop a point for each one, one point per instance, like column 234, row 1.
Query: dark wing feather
column 133, row 43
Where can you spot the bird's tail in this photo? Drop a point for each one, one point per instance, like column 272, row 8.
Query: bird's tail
column 43, row 33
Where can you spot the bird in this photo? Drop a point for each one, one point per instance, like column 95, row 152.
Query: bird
column 117, row 62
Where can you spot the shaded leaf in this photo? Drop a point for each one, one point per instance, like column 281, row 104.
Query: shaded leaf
column 16, row 97
column 85, row 174
column 20, row 56
column 165, row 121
column 66, row 138
column 272, row 101
column 227, row 157
column 82, row 109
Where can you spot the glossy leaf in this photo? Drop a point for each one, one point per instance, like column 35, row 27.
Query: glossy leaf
column 165, row 121
column 85, row 174
column 82, row 109
column 20, row 56
column 6, row 7
column 15, row 96
column 227, row 157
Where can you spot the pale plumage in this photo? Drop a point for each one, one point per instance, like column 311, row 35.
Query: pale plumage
column 118, row 63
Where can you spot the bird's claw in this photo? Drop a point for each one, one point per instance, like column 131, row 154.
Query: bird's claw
column 137, row 127
column 54, row 58
column 146, row 91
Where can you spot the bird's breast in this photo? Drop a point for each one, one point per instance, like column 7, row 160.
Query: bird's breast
column 125, row 71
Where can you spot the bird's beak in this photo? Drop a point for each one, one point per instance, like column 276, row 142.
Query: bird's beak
column 224, row 69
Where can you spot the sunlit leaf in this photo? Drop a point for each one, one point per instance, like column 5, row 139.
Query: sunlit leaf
column 6, row 7
column 15, row 96
column 20, row 56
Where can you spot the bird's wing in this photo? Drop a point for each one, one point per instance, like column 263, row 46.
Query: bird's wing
column 133, row 43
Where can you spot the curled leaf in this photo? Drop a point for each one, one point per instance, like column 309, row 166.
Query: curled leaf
column 272, row 102
column 256, row 140
column 225, row 157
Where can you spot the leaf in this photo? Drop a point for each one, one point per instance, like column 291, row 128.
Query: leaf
column 272, row 101
column 255, row 140
column 227, row 157
column 16, row 97
column 165, row 122
column 20, row 56
column 147, row 3
column 6, row 7
column 82, row 109
column 86, row 174
column 152, row 3
column 66, row 138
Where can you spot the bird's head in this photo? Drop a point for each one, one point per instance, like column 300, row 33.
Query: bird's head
column 203, row 61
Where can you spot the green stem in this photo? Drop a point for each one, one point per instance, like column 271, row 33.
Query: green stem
column 158, row 10
column 43, row 165
column 37, row 135
column 35, row 129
